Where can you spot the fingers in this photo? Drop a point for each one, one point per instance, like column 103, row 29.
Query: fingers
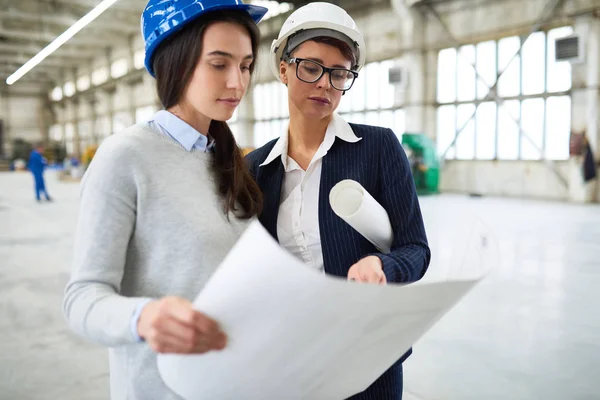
column 180, row 310
column 371, row 275
column 183, row 312
column 382, row 279
column 165, row 343
column 176, row 327
column 353, row 275
column 366, row 274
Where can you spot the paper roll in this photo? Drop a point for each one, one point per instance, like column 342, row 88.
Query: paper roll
column 352, row 203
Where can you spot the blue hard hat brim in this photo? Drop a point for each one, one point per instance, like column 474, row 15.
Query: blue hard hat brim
column 256, row 13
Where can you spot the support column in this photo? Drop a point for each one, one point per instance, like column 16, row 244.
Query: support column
column 5, row 142
column 110, row 105
column 245, row 121
column 90, row 100
column 110, row 91
column 131, row 86
column 413, row 96
column 63, row 124
column 74, row 105
column 585, row 106
column 8, row 134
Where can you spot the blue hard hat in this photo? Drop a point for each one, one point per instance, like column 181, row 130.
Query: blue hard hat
column 162, row 18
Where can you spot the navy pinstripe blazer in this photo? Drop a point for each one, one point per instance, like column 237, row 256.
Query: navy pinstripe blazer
column 380, row 165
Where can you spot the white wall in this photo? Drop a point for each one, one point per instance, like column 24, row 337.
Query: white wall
column 524, row 179
column 586, row 104
column 22, row 117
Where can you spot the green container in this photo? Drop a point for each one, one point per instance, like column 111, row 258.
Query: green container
column 423, row 161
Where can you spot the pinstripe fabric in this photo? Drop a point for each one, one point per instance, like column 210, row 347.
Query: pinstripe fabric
column 380, row 165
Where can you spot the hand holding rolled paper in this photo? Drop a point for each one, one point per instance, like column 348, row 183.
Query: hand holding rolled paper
column 352, row 203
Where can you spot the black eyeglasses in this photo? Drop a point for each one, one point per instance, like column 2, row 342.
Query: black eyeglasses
column 311, row 71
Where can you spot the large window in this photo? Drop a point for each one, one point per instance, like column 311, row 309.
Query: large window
column 102, row 127
column 119, row 68
column 270, row 111
column 100, row 75
column 83, row 83
column 56, row 94
column 69, row 89
column 145, row 113
column 275, row 7
column 370, row 101
column 121, row 120
column 139, row 58
column 533, row 120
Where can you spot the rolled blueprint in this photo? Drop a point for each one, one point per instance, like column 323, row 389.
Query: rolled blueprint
column 352, row 203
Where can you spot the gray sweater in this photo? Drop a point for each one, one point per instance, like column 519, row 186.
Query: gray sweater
column 150, row 225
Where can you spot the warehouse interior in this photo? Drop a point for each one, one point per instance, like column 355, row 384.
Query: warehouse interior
column 496, row 102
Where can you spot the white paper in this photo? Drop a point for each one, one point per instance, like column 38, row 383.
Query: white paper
column 352, row 203
column 295, row 333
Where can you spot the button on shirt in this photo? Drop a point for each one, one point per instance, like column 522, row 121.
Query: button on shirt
column 298, row 219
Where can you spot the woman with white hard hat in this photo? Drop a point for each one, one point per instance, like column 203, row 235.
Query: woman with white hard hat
column 163, row 202
column 318, row 55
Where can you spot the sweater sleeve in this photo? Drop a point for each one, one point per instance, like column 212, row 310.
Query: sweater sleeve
column 92, row 304
column 410, row 255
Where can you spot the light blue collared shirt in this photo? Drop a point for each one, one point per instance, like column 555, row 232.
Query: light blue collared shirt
column 181, row 131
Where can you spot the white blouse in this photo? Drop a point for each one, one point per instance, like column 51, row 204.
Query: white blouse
column 298, row 218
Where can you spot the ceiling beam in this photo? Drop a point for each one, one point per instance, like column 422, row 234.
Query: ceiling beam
column 49, row 62
column 13, row 66
column 90, row 4
column 19, row 48
column 38, row 36
column 66, row 52
column 7, row 70
column 99, row 38
column 65, row 20
column 54, row 19
column 4, row 72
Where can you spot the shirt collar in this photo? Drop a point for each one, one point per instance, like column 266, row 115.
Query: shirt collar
column 338, row 127
column 182, row 132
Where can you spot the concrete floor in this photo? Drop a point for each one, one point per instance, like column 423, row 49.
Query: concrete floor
column 530, row 330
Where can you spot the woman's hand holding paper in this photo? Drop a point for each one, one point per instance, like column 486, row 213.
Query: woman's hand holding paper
column 368, row 270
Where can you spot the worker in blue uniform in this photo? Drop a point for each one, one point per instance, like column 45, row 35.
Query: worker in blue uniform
column 37, row 163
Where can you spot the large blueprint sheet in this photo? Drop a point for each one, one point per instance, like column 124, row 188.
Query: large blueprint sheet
column 295, row 333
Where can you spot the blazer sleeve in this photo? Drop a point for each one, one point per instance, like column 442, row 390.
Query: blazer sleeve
column 410, row 255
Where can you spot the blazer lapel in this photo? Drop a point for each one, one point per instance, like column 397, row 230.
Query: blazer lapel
column 270, row 181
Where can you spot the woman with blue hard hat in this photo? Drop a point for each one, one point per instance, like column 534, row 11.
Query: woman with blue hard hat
column 163, row 202
column 318, row 55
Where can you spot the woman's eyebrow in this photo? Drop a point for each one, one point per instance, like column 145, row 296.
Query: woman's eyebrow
column 228, row 55
column 321, row 62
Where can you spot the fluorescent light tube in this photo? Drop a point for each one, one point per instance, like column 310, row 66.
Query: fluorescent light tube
column 60, row 40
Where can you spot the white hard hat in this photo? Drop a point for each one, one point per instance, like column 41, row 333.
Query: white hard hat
column 321, row 19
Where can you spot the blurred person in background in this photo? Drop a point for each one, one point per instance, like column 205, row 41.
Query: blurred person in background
column 317, row 55
column 164, row 201
column 36, row 164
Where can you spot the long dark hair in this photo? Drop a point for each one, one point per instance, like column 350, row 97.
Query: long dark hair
column 174, row 63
